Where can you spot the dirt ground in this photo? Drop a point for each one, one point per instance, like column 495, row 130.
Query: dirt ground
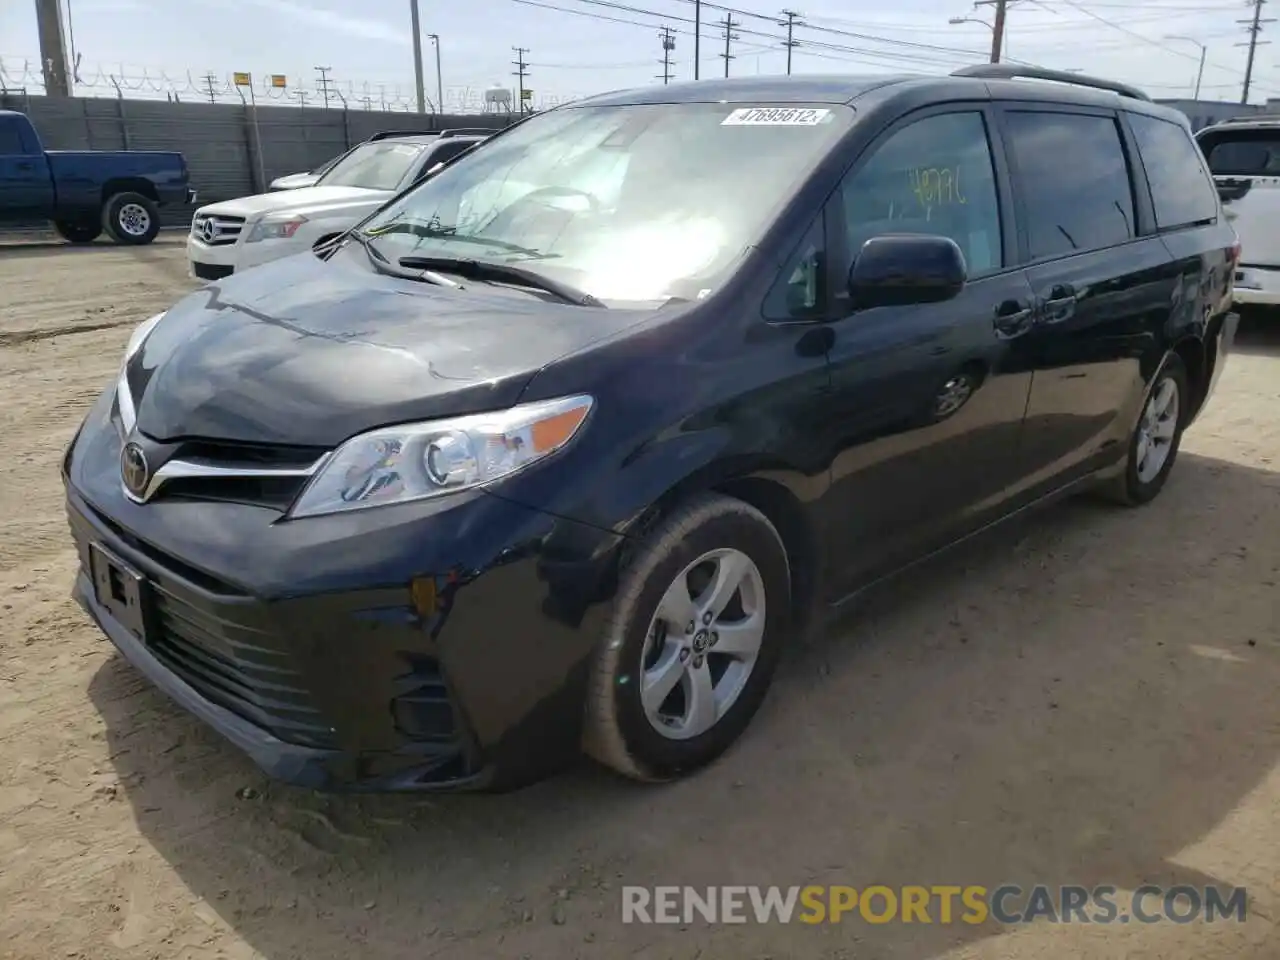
column 1088, row 698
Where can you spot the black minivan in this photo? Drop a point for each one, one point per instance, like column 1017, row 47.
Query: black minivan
column 560, row 448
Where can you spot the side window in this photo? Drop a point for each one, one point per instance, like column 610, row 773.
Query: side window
column 799, row 293
column 932, row 176
column 1180, row 189
column 1074, row 181
column 11, row 141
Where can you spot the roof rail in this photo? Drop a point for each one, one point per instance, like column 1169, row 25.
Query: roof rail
column 387, row 134
column 467, row 131
column 1248, row 118
column 1010, row 71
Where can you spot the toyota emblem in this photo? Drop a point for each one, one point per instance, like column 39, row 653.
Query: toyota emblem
column 134, row 470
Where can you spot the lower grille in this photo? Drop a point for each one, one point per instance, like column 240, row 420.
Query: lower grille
column 229, row 665
column 210, row 271
column 421, row 708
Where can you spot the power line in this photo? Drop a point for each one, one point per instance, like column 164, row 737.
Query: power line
column 668, row 38
column 792, row 21
column 520, row 73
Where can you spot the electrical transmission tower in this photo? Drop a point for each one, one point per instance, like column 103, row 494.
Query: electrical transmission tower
column 210, row 92
column 668, row 38
column 729, row 36
column 323, row 82
column 793, row 20
column 1253, row 27
column 521, row 71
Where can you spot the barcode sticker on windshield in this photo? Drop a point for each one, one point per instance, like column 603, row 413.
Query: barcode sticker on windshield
column 775, row 117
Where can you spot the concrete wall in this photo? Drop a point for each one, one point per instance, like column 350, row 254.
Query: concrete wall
column 218, row 139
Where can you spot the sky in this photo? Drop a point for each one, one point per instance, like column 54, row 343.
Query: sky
column 155, row 48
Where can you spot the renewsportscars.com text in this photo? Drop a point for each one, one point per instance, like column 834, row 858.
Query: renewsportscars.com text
column 1007, row 904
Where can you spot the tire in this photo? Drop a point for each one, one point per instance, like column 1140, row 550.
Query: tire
column 1136, row 486
column 131, row 218
column 637, row 643
column 78, row 231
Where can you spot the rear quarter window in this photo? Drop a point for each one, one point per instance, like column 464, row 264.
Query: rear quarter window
column 1181, row 189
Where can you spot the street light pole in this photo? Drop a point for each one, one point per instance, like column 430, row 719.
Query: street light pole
column 1203, row 50
column 417, row 57
column 435, row 38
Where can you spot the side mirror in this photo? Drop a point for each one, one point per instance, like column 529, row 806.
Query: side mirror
column 902, row 269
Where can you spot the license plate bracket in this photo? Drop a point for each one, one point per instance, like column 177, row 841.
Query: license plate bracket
column 119, row 588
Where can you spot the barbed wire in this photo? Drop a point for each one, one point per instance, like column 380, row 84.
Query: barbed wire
column 24, row 75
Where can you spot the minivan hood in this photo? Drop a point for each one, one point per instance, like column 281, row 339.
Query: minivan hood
column 305, row 352
column 295, row 201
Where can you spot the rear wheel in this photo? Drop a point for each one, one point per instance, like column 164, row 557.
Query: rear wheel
column 691, row 647
column 131, row 218
column 1153, row 447
column 76, row 231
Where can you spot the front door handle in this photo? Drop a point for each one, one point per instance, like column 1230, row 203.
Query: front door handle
column 1061, row 295
column 1013, row 318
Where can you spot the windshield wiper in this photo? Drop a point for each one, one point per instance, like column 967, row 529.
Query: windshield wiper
column 383, row 265
column 491, row 271
column 426, row 230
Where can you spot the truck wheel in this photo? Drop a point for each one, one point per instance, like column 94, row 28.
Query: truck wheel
column 78, row 231
column 131, row 218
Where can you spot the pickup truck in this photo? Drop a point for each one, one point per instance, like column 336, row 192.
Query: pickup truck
column 86, row 191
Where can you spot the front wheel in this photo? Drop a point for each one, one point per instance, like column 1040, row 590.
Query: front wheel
column 77, row 231
column 131, row 218
column 1153, row 447
column 691, row 647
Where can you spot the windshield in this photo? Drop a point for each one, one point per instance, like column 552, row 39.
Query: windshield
column 631, row 203
column 374, row 166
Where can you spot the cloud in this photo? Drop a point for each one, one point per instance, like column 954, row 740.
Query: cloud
column 361, row 27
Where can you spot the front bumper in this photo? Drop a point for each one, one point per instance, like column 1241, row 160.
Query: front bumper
column 214, row 261
column 330, row 675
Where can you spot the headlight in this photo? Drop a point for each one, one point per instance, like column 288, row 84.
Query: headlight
column 275, row 228
column 421, row 460
column 140, row 333
column 124, row 399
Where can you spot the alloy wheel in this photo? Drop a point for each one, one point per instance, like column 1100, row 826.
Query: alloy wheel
column 702, row 644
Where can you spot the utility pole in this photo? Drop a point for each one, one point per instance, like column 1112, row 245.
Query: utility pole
column 209, row 81
column 697, row 39
column 1253, row 28
column 417, row 56
column 729, row 37
column 668, row 37
column 302, row 98
column 520, row 73
column 997, row 29
column 53, row 49
column 792, row 21
column 435, row 38
column 323, row 83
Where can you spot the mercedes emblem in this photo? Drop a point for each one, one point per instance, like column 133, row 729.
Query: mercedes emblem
column 134, row 470
column 210, row 230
